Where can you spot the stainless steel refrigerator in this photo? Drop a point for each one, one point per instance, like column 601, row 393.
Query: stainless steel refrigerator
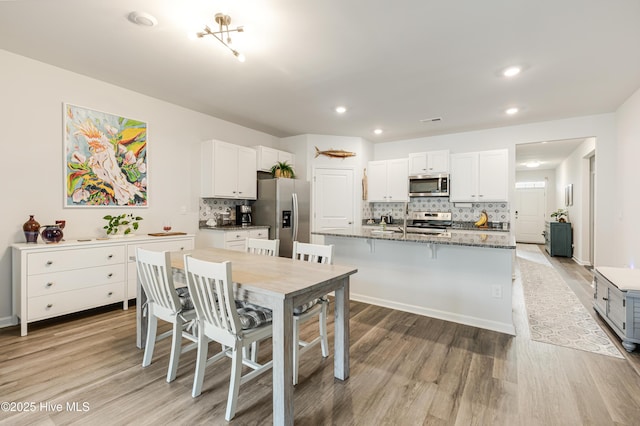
column 284, row 205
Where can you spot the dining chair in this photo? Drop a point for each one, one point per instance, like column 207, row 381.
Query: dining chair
column 219, row 319
column 167, row 303
column 316, row 253
column 262, row 246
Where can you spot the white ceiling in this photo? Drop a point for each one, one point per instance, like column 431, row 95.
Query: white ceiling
column 548, row 153
column 391, row 63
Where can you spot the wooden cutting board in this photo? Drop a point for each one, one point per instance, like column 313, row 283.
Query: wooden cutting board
column 166, row 234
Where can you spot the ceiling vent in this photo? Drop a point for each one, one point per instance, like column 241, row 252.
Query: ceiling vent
column 431, row 120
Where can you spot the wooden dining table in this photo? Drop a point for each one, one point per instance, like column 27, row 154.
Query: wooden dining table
column 280, row 284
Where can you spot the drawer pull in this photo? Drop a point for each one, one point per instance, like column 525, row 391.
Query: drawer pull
column 605, row 298
column 181, row 248
column 49, row 262
column 110, row 256
column 132, row 258
column 50, row 305
column 49, row 285
column 110, row 275
column 110, row 294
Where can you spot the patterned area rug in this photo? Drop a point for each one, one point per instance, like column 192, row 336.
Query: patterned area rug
column 555, row 314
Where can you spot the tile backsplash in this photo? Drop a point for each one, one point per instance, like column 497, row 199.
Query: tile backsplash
column 498, row 212
column 209, row 206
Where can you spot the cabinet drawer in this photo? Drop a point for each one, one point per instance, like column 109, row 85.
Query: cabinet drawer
column 259, row 233
column 71, row 301
column 178, row 245
column 235, row 235
column 64, row 260
column 236, row 245
column 56, row 282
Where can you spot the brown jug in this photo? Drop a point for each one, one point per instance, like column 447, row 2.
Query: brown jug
column 31, row 230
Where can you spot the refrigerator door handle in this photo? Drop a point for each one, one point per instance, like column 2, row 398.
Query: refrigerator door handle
column 294, row 199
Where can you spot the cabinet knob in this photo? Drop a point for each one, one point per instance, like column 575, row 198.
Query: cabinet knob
column 181, row 248
column 473, row 196
column 49, row 262
column 480, row 195
column 605, row 298
column 132, row 258
column 110, row 256
column 110, row 275
column 110, row 294
column 50, row 305
column 49, row 285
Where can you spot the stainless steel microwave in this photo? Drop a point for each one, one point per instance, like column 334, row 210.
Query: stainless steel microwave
column 429, row 185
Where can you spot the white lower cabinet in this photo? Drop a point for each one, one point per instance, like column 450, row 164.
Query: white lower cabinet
column 50, row 280
column 233, row 239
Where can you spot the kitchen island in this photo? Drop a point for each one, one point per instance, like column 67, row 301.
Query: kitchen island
column 459, row 276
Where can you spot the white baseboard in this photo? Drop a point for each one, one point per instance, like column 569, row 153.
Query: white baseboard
column 433, row 313
column 8, row 321
column 581, row 262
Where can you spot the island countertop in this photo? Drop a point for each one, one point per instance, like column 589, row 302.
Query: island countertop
column 500, row 240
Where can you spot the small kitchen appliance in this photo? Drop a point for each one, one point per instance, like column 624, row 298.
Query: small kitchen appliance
column 243, row 215
column 425, row 222
column 429, row 185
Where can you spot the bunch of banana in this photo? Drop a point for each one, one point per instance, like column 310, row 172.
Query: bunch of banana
column 482, row 222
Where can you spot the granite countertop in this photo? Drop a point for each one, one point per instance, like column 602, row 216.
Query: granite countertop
column 501, row 240
column 203, row 225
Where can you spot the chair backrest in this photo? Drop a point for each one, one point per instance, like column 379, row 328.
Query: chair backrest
column 211, row 290
column 262, row 246
column 156, row 278
column 317, row 253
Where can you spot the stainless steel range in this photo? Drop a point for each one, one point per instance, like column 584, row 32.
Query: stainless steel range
column 429, row 222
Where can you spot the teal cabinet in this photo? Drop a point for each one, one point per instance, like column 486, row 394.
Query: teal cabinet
column 558, row 239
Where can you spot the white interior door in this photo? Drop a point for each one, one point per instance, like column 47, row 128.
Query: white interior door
column 333, row 198
column 530, row 215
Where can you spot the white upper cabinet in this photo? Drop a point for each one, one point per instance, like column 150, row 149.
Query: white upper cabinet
column 228, row 171
column 388, row 180
column 431, row 162
column 267, row 157
column 479, row 176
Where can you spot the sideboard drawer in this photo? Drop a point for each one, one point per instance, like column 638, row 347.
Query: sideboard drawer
column 55, row 304
column 63, row 260
column 56, row 282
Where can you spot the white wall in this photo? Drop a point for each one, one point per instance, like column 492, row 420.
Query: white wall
column 32, row 172
column 627, row 178
column 601, row 127
column 575, row 170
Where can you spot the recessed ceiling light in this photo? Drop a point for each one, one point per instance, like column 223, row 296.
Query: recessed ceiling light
column 378, row 131
column 511, row 71
column 533, row 164
column 341, row 109
column 511, row 111
column 143, row 19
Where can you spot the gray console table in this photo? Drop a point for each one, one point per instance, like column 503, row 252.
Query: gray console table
column 617, row 300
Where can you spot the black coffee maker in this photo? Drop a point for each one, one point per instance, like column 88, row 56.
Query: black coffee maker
column 243, row 215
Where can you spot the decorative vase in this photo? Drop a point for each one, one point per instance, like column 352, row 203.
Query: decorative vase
column 31, row 229
column 51, row 234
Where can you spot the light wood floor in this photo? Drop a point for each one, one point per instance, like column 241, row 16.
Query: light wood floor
column 405, row 370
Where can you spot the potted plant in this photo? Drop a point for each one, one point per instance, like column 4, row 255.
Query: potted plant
column 126, row 222
column 282, row 169
column 560, row 215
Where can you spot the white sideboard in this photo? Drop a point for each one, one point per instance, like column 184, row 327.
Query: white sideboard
column 57, row 279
